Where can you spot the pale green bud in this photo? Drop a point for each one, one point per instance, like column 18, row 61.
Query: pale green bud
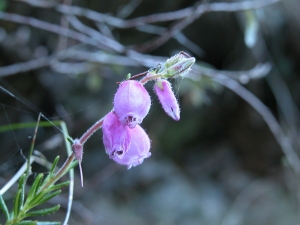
column 178, row 65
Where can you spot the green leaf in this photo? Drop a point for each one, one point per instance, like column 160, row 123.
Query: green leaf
column 59, row 186
column 54, row 165
column 11, row 215
column 49, row 196
column 17, row 203
column 128, row 76
column 69, row 139
column 35, row 186
column 36, row 199
column 43, row 212
column 22, row 188
column 4, row 207
column 22, row 181
column 27, row 222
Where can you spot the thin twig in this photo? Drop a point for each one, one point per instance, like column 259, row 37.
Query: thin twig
column 128, row 9
column 71, row 68
column 71, row 173
column 22, row 170
column 80, row 67
column 180, row 37
column 16, row 176
column 153, row 18
column 201, row 8
column 58, row 30
column 32, row 145
column 266, row 114
column 63, row 40
column 258, row 71
column 196, row 13
column 96, row 126
column 24, row 66
column 94, row 33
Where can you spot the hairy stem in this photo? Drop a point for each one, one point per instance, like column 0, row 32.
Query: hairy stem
column 96, row 126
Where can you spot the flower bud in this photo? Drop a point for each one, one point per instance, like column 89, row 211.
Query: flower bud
column 116, row 136
column 167, row 98
column 178, row 65
column 138, row 150
column 131, row 103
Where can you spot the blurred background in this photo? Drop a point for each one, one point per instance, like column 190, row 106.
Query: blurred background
column 218, row 165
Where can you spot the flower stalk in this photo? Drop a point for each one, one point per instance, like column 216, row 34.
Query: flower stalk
column 124, row 140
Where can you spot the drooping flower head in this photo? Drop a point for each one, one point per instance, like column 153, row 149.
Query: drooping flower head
column 138, row 150
column 116, row 136
column 131, row 103
column 167, row 98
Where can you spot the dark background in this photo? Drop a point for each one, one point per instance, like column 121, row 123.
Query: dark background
column 219, row 164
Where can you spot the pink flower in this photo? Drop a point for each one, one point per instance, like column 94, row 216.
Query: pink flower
column 116, row 136
column 131, row 103
column 167, row 98
column 138, row 150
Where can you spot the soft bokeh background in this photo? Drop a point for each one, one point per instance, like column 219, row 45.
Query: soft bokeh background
column 218, row 165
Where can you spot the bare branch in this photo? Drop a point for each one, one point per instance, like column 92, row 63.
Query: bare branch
column 180, row 37
column 63, row 40
column 93, row 33
column 185, row 16
column 266, row 114
column 154, row 18
column 195, row 14
column 257, row 72
column 128, row 8
column 25, row 66
column 60, row 30
column 133, row 59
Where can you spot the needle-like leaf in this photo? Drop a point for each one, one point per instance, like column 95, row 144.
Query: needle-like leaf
column 43, row 212
column 34, row 188
column 3, row 207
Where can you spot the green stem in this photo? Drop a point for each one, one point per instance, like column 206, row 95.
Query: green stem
column 63, row 170
column 32, row 145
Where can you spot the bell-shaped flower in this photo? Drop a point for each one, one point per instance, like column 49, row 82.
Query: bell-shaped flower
column 167, row 98
column 131, row 103
column 138, row 150
column 116, row 136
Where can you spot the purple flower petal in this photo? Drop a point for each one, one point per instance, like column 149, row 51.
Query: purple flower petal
column 167, row 98
column 116, row 136
column 131, row 103
column 138, row 150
